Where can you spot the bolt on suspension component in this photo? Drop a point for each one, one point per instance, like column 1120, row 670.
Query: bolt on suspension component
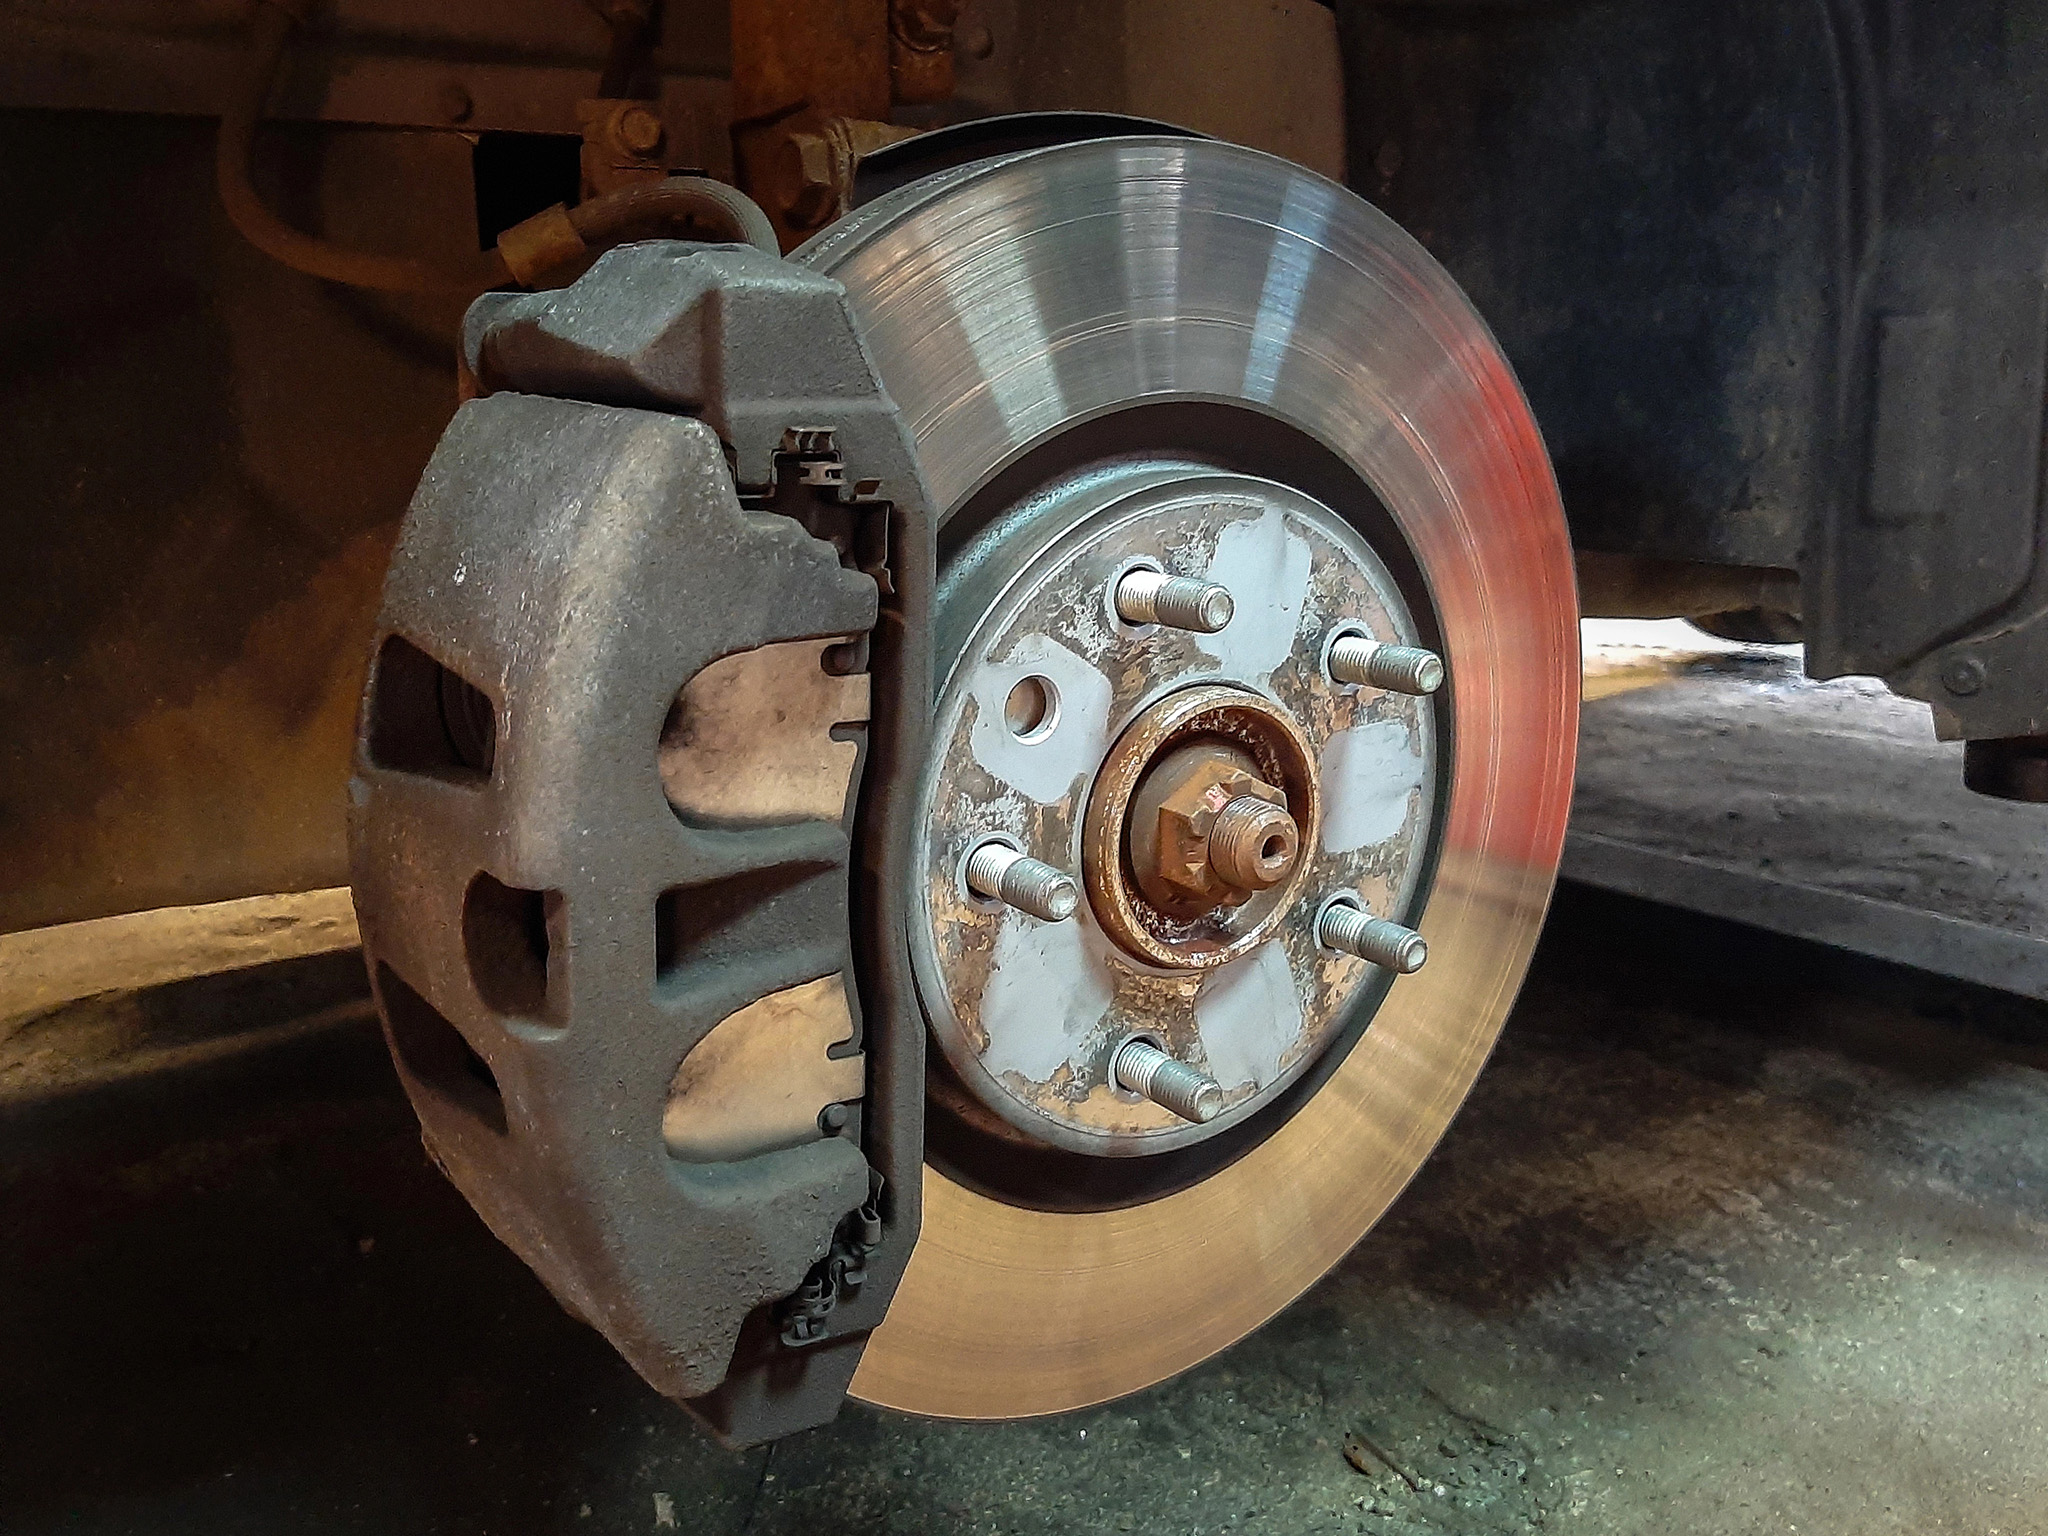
column 1357, row 932
column 1178, row 602
column 1001, row 873
column 1142, row 1068
column 1397, row 668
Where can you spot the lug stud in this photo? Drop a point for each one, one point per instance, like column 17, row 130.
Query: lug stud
column 1178, row 602
column 1397, row 668
column 1003, row 874
column 1150, row 1073
column 1357, row 932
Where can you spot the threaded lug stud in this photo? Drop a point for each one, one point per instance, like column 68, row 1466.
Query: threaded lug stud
column 1397, row 668
column 1253, row 843
column 1144, row 1069
column 1357, row 932
column 1001, row 873
column 1178, row 602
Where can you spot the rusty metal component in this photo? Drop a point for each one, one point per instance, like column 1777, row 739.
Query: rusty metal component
column 539, row 246
column 1365, row 662
column 999, row 872
column 1209, row 919
column 921, row 49
column 481, row 65
column 1346, row 926
column 1267, row 76
column 1140, row 1067
column 820, row 166
column 1197, row 826
column 1043, row 683
column 764, row 1076
column 1179, row 602
column 796, row 65
column 623, row 143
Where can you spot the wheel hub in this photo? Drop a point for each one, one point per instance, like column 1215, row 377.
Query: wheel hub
column 1210, row 788
column 1175, row 846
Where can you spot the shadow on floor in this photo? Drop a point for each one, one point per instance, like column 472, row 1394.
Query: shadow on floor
column 237, row 1297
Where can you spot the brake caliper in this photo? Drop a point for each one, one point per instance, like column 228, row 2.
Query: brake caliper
column 646, row 711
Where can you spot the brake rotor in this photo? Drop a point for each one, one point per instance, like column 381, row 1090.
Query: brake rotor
column 1186, row 357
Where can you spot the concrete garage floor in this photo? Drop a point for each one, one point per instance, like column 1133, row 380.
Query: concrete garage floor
column 1736, row 1235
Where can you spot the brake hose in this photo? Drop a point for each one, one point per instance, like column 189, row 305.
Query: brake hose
column 525, row 253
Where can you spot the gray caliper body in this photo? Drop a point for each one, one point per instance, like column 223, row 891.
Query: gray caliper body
column 682, row 462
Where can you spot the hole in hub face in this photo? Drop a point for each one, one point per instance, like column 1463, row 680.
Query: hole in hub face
column 1273, row 848
column 1032, row 709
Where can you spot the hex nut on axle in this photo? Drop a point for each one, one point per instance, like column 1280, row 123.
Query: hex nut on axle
column 1001, row 873
column 1142, row 1068
column 1397, row 668
column 1355, row 931
column 1207, row 830
column 1177, row 602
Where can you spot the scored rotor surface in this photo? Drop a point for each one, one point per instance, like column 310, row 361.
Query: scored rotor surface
column 1008, row 301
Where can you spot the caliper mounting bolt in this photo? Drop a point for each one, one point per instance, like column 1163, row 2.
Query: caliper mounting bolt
column 1397, row 668
column 1001, row 873
column 1178, row 602
column 1142, row 1068
column 1357, row 932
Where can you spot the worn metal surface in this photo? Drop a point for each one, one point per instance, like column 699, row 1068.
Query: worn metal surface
column 1822, row 810
column 544, row 906
column 1031, row 1016
column 1005, row 306
column 797, row 64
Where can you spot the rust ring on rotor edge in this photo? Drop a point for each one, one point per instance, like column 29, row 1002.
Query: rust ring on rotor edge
column 1247, row 720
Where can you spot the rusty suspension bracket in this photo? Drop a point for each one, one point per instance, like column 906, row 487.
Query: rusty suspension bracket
column 602, row 903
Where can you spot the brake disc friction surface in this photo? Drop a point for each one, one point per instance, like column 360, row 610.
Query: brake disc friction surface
column 1059, row 295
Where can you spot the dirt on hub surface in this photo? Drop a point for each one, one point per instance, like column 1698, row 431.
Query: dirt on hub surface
column 1736, row 1235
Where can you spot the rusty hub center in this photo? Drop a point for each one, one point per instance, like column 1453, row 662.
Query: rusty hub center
column 1195, row 827
column 1205, row 830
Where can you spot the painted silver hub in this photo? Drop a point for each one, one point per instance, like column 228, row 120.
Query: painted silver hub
column 1040, row 742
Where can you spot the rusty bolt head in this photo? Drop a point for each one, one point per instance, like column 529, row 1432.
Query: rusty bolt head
column 638, row 130
column 1201, row 822
column 813, row 194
